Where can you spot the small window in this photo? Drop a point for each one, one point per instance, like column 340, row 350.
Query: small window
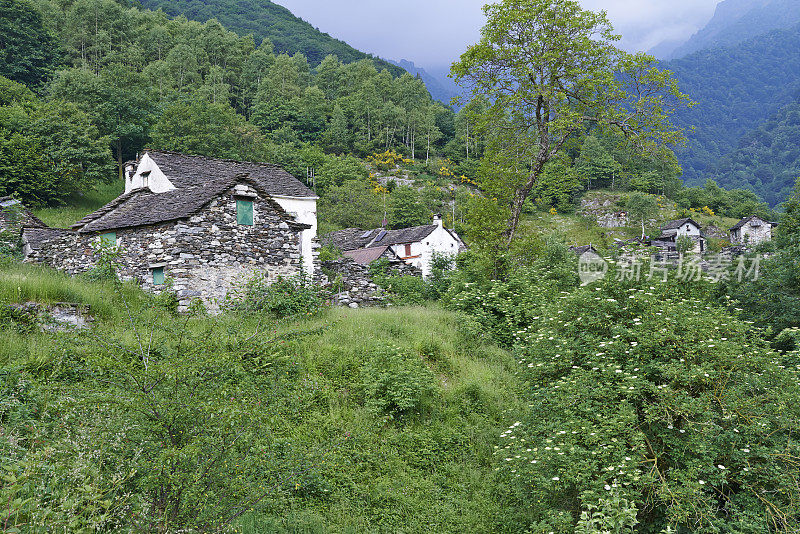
column 408, row 250
column 244, row 212
column 158, row 276
column 109, row 239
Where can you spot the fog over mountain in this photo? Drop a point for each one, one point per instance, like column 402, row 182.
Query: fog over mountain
column 735, row 21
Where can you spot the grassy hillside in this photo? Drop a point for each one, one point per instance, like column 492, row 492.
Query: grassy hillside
column 339, row 458
column 264, row 19
column 80, row 205
column 581, row 228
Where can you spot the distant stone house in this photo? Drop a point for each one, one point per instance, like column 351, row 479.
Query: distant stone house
column 202, row 223
column 751, row 230
column 672, row 230
column 415, row 245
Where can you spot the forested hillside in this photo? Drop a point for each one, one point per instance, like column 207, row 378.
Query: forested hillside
column 264, row 19
column 736, row 21
column 736, row 89
column 120, row 79
column 767, row 158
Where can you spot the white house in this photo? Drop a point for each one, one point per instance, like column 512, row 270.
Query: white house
column 162, row 172
column 416, row 245
column 671, row 231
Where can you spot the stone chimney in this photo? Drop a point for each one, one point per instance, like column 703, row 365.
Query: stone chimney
column 437, row 220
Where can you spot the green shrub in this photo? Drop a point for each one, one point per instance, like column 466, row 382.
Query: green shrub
column 396, row 383
column 285, row 297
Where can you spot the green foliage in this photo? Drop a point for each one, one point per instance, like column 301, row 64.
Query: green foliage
column 48, row 150
column 646, row 366
column 532, row 117
column 396, row 383
column 773, row 300
column 283, row 297
column 684, row 244
column 641, row 207
column 739, row 114
column 267, row 20
column 28, row 54
column 266, row 421
column 558, row 185
column 406, row 208
column 736, row 203
column 353, row 204
column 614, row 514
column 401, row 289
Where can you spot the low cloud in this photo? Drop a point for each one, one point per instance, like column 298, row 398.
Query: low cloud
column 433, row 33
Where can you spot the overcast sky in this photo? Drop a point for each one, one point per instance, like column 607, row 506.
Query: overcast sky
column 433, row 33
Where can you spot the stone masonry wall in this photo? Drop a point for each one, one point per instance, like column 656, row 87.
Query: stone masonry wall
column 357, row 287
column 203, row 256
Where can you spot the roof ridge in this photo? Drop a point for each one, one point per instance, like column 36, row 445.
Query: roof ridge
column 226, row 160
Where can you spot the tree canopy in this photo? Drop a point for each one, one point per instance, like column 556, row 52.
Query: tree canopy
column 550, row 68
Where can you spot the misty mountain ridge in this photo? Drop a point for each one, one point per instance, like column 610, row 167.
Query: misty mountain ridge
column 734, row 22
column 441, row 88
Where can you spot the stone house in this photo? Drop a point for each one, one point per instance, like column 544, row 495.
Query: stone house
column 203, row 224
column 751, row 231
column 13, row 217
column 672, row 230
column 415, row 245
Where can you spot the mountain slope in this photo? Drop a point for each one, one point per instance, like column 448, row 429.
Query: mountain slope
column 265, row 19
column 442, row 89
column 735, row 21
column 768, row 158
column 736, row 89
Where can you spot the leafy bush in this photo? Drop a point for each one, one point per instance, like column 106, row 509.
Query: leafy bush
column 396, row 383
column 285, row 297
column 402, row 289
column 671, row 396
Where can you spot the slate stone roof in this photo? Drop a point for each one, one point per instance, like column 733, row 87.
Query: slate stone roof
column 142, row 207
column 583, row 249
column 348, row 239
column 673, row 225
column 186, row 171
column 748, row 219
column 355, row 238
column 35, row 236
column 403, row 235
column 365, row 256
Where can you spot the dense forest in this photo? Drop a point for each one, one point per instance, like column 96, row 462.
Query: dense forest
column 132, row 78
column 736, row 89
column 767, row 158
column 266, row 20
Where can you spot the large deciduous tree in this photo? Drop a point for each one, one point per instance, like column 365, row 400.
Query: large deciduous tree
column 550, row 69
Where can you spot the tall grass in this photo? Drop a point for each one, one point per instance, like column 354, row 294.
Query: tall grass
column 21, row 283
column 80, row 205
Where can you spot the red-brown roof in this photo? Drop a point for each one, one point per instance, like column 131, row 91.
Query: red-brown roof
column 365, row 256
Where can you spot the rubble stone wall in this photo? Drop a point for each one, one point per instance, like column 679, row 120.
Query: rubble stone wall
column 353, row 286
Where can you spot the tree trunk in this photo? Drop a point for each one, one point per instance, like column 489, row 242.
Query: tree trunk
column 120, row 164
